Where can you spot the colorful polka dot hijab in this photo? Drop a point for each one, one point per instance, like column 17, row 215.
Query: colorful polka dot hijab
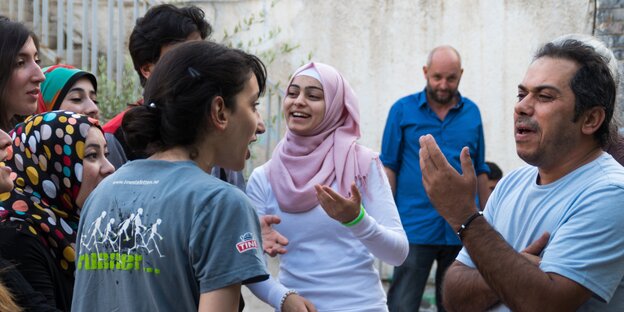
column 47, row 169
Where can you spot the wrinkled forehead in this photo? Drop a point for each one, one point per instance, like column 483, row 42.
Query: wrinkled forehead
column 556, row 72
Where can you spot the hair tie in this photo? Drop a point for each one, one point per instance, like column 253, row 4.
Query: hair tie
column 193, row 72
column 152, row 106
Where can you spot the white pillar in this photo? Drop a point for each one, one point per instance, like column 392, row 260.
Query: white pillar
column 69, row 53
column 59, row 28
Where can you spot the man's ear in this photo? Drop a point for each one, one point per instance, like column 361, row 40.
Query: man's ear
column 461, row 73
column 146, row 69
column 592, row 119
column 219, row 114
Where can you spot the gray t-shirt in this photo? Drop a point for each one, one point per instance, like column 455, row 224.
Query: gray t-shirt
column 155, row 235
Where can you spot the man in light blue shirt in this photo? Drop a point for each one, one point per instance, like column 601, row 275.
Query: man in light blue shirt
column 551, row 238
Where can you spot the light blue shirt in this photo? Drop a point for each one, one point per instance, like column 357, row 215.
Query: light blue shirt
column 583, row 213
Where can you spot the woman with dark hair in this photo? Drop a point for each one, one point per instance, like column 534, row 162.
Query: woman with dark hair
column 58, row 159
column 20, row 74
column 162, row 233
column 333, row 199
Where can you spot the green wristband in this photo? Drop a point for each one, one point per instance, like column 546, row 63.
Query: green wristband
column 356, row 220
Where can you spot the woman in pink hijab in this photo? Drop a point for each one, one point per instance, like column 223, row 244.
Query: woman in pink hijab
column 333, row 199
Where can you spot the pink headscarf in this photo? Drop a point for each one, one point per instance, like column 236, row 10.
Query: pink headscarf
column 330, row 153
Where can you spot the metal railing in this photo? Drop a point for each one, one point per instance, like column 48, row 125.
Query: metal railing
column 66, row 25
column 71, row 32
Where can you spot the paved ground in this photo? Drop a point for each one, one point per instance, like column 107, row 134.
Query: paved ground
column 253, row 304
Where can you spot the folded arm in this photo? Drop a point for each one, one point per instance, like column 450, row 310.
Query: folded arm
column 465, row 289
column 514, row 278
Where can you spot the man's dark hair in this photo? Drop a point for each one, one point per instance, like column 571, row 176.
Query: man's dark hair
column 160, row 26
column 592, row 84
column 495, row 172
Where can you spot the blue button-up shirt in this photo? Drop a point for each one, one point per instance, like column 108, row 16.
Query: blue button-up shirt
column 410, row 118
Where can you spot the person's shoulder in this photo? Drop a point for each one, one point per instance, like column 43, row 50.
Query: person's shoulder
column 223, row 199
column 262, row 169
column 204, row 190
column 410, row 99
column 200, row 190
column 260, row 173
column 175, row 177
column 163, row 167
column 217, row 193
column 609, row 171
column 405, row 104
column 198, row 180
column 204, row 182
column 369, row 152
column 16, row 244
column 10, row 235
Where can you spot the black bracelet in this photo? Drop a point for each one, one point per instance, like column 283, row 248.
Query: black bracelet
column 467, row 223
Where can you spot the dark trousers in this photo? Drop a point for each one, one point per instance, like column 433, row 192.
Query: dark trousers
column 409, row 279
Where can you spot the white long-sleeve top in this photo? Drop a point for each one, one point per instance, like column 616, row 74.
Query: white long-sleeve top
column 328, row 263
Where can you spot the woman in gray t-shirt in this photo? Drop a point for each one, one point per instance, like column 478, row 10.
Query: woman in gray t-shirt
column 162, row 234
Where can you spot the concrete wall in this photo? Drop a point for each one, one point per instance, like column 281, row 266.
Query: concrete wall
column 610, row 29
column 380, row 47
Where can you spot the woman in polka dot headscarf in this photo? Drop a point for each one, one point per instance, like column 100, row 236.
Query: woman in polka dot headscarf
column 58, row 159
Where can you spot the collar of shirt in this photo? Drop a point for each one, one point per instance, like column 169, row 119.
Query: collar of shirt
column 422, row 100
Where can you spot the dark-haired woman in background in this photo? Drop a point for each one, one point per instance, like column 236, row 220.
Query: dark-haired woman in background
column 20, row 74
column 162, row 233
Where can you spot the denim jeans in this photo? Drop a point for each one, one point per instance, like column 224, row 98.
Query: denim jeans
column 409, row 279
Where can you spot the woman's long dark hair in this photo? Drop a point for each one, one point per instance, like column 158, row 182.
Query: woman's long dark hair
column 13, row 36
column 179, row 93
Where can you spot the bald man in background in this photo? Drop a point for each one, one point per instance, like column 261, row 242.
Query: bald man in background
column 455, row 121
